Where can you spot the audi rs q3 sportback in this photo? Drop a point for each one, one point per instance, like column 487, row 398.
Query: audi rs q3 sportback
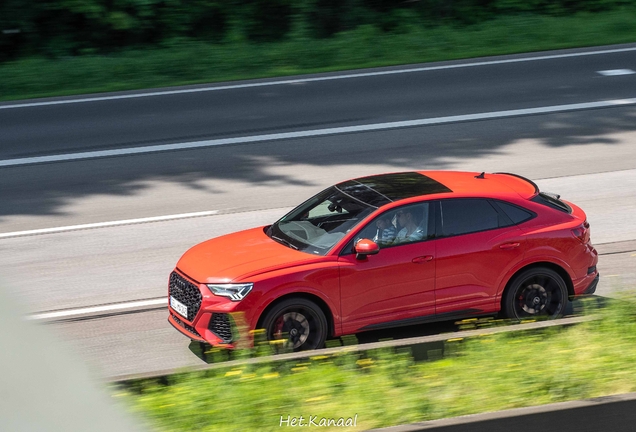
column 386, row 251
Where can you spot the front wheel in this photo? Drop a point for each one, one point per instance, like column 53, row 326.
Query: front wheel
column 534, row 293
column 300, row 322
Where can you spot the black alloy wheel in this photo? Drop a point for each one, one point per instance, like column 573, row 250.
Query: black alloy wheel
column 297, row 321
column 538, row 292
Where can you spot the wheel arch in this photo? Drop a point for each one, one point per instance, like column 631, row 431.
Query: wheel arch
column 552, row 266
column 307, row 296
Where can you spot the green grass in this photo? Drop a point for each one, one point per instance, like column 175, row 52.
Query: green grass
column 189, row 62
column 384, row 388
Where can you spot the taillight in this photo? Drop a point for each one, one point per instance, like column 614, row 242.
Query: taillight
column 582, row 233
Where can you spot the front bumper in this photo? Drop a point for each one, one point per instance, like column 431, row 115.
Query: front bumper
column 213, row 328
column 211, row 319
column 183, row 327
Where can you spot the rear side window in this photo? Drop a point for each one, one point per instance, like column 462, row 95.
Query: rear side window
column 552, row 201
column 516, row 214
column 463, row 216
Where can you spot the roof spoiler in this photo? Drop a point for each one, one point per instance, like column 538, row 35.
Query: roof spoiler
column 536, row 188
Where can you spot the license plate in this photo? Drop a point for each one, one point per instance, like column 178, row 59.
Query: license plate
column 179, row 307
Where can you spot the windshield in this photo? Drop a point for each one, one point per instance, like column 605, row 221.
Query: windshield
column 319, row 223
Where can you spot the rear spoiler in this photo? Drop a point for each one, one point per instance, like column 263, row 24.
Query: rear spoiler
column 546, row 198
column 536, row 188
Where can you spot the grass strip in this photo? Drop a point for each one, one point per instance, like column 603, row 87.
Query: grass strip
column 192, row 62
column 218, row 358
column 388, row 387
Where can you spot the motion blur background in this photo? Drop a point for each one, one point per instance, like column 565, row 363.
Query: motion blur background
column 66, row 47
column 128, row 44
column 73, row 27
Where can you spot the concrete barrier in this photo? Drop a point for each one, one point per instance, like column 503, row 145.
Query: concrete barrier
column 616, row 413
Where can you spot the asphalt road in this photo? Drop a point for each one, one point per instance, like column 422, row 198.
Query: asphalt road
column 586, row 155
column 301, row 105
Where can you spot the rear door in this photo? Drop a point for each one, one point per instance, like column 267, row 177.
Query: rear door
column 477, row 244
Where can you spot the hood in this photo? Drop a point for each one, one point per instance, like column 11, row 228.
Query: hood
column 235, row 256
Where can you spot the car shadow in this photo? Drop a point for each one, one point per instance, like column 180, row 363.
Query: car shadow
column 49, row 188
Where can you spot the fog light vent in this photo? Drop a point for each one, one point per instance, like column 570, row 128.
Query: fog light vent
column 220, row 325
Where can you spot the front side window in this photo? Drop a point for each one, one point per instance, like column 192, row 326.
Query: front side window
column 402, row 225
column 467, row 215
column 412, row 223
column 319, row 223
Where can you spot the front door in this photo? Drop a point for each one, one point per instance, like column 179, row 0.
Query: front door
column 398, row 283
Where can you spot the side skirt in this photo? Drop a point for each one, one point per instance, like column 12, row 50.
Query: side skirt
column 464, row 313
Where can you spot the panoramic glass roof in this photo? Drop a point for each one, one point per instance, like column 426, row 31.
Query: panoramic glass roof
column 382, row 189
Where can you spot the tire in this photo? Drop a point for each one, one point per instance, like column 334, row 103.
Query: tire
column 300, row 321
column 537, row 292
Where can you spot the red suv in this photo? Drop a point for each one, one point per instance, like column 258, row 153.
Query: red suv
column 385, row 251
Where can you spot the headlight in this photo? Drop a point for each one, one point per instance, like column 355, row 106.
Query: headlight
column 236, row 292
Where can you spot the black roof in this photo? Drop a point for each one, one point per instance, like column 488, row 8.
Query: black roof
column 382, row 189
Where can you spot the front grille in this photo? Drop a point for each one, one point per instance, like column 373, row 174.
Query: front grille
column 184, row 325
column 220, row 325
column 186, row 292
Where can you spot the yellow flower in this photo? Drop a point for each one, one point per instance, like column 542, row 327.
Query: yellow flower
column 320, row 357
column 316, row 399
column 248, row 376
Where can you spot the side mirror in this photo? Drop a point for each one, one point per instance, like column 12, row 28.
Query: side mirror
column 365, row 247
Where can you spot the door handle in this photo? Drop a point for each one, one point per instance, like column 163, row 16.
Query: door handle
column 422, row 259
column 508, row 245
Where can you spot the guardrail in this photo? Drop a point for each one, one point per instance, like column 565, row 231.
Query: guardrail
column 415, row 341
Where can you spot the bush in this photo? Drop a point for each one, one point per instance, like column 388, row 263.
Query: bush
column 58, row 28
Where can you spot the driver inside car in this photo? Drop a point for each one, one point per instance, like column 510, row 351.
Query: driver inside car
column 408, row 219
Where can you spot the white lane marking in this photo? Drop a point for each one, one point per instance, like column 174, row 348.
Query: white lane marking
column 616, row 72
column 106, row 224
column 98, row 309
column 314, row 133
column 315, row 79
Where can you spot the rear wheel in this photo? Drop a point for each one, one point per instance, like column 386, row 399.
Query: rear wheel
column 536, row 292
column 297, row 321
